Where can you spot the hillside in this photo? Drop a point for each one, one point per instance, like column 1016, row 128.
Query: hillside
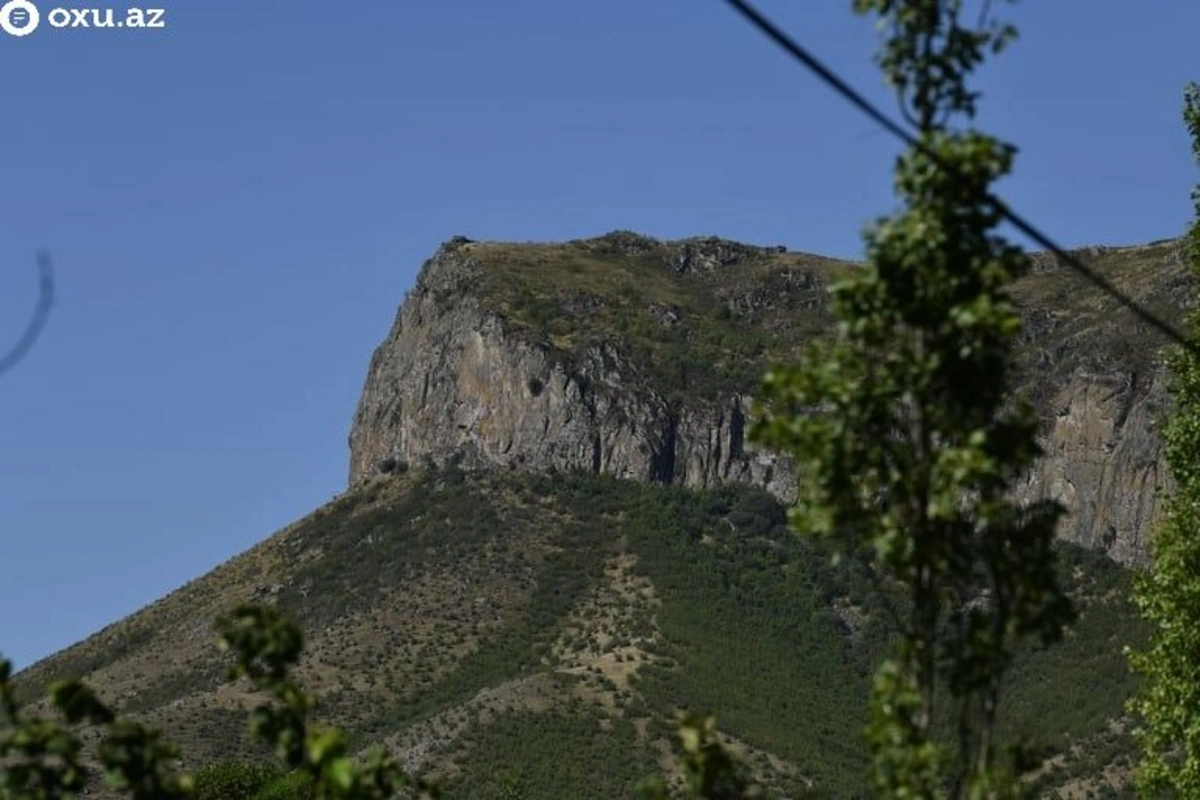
column 449, row 614
column 491, row 590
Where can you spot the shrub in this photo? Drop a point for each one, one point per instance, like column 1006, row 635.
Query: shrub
column 234, row 780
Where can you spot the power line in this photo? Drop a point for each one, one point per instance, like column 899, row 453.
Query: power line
column 41, row 312
column 855, row 98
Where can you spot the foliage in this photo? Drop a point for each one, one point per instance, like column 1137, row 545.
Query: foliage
column 1168, row 595
column 904, row 426
column 546, row 756
column 757, row 624
column 40, row 758
column 751, row 621
column 709, row 769
column 750, row 628
column 265, row 647
column 293, row 785
column 234, row 780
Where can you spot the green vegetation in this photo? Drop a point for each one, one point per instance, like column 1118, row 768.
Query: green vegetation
column 553, row 755
column 517, row 648
column 742, row 618
column 237, row 780
column 908, row 443
column 1169, row 594
column 750, row 630
column 700, row 317
column 42, row 759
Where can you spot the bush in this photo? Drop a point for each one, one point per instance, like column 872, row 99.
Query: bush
column 234, row 780
column 292, row 786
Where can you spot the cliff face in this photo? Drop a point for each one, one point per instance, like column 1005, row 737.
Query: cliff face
column 1103, row 460
column 498, row 358
column 453, row 380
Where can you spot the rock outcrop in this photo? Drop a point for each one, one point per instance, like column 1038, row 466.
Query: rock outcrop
column 453, row 381
column 1103, row 460
column 456, row 379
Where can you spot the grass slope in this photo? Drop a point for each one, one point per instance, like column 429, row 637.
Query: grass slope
column 554, row 625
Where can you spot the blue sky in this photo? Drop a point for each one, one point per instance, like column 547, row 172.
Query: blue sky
column 237, row 203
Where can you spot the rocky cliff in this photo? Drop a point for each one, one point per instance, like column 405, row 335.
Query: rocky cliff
column 636, row 357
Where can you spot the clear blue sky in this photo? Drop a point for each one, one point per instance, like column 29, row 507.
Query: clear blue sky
column 237, row 204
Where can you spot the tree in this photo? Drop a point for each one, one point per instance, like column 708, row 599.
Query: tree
column 1168, row 595
column 905, row 431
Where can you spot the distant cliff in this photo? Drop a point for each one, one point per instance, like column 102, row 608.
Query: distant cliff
column 639, row 358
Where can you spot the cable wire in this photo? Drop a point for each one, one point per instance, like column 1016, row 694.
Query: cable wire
column 41, row 312
column 855, row 98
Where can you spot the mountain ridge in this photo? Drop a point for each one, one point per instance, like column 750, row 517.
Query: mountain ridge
column 456, row 598
column 485, row 363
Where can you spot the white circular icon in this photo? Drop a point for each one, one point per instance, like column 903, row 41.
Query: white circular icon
column 19, row 17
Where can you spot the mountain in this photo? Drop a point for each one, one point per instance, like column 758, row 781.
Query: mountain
column 556, row 534
column 637, row 358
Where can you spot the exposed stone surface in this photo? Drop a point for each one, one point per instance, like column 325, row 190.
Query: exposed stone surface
column 450, row 381
column 453, row 380
column 1104, row 462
